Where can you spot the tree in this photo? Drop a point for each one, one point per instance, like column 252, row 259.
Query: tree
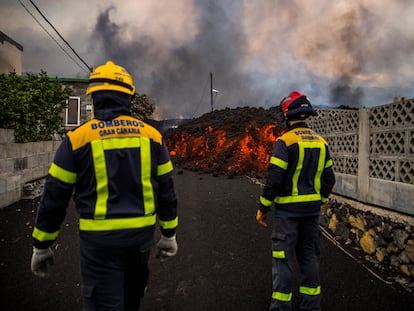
column 33, row 106
column 142, row 107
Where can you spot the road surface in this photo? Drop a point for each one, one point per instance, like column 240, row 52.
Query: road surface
column 223, row 262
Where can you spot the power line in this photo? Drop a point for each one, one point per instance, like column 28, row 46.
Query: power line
column 50, row 35
column 201, row 99
column 80, row 58
column 90, row 68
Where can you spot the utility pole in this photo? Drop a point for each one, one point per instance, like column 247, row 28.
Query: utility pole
column 211, row 90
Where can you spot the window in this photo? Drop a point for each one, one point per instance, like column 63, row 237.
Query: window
column 73, row 111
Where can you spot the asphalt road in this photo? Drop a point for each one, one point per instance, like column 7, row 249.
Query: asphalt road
column 223, row 262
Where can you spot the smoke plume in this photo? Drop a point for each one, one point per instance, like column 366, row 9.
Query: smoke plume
column 346, row 52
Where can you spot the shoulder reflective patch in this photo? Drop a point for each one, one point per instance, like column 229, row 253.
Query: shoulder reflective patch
column 61, row 174
column 278, row 162
column 43, row 236
column 165, row 168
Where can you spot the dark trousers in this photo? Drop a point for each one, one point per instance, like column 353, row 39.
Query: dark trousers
column 113, row 278
column 296, row 238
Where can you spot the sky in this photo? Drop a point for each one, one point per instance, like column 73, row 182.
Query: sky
column 357, row 53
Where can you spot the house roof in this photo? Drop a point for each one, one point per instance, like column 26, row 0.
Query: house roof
column 4, row 37
column 71, row 80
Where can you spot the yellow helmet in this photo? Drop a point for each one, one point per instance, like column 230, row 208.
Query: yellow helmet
column 110, row 77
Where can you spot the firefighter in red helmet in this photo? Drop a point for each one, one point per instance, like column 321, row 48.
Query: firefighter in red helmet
column 121, row 174
column 299, row 179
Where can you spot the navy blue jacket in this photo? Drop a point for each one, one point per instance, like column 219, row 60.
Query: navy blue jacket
column 300, row 175
column 120, row 173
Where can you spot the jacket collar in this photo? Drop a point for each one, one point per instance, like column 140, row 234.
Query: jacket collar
column 297, row 125
column 108, row 105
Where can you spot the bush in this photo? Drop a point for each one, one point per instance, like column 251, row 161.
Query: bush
column 142, row 107
column 33, row 106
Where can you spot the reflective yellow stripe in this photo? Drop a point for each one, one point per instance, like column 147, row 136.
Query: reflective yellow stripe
column 98, row 151
column 169, row 224
column 295, row 197
column 147, row 190
column 121, row 143
column 165, row 168
column 44, row 236
column 321, row 164
column 102, row 194
column 62, row 174
column 299, row 166
column 311, row 291
column 279, row 254
column 282, row 296
column 116, row 223
column 298, row 198
column 329, row 163
column 265, row 201
column 278, row 162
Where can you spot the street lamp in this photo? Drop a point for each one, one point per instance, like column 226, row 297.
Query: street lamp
column 212, row 91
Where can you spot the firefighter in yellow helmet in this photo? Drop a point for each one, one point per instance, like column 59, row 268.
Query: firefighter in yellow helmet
column 121, row 174
column 299, row 179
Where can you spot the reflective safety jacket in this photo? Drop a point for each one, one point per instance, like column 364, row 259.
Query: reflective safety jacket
column 300, row 175
column 121, row 173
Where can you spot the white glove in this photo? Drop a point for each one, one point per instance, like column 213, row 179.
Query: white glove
column 41, row 260
column 167, row 247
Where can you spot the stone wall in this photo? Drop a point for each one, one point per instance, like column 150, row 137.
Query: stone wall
column 21, row 164
column 373, row 152
column 382, row 238
column 24, row 166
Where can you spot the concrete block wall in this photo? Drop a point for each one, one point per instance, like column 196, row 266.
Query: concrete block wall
column 20, row 164
column 373, row 153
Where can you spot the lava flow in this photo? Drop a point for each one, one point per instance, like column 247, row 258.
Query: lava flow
column 231, row 141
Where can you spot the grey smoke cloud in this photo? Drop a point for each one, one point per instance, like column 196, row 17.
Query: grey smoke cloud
column 177, row 80
column 344, row 52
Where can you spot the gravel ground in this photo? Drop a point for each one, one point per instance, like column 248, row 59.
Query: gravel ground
column 223, row 263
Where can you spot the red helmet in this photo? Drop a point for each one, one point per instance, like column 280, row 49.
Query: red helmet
column 296, row 106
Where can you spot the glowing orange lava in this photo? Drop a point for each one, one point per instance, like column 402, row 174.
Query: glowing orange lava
column 226, row 143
